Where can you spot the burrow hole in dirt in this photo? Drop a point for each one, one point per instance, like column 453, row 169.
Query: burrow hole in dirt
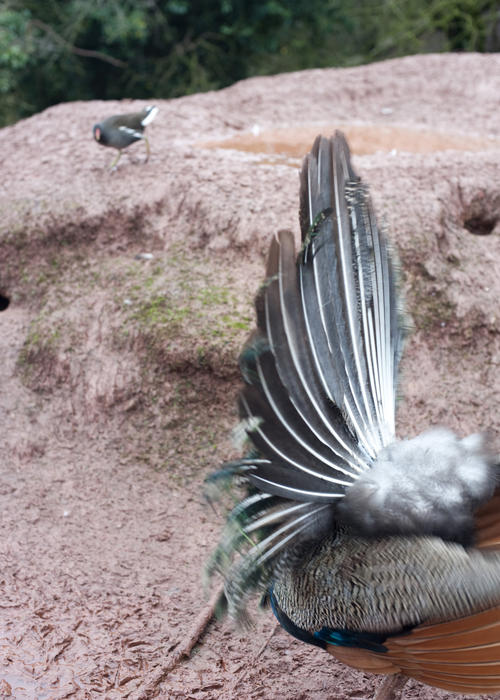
column 481, row 214
column 480, row 225
column 4, row 302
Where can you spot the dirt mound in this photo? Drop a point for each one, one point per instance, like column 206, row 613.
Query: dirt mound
column 130, row 295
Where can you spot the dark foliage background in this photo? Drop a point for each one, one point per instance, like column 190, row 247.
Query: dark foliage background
column 62, row 50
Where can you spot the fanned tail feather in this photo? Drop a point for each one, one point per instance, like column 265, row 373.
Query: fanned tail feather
column 350, row 284
column 150, row 113
column 320, row 373
column 258, row 531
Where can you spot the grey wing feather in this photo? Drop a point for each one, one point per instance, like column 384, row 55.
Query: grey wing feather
column 285, row 393
column 323, row 365
column 320, row 374
column 356, row 308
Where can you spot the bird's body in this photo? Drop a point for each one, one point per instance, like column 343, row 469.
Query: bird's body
column 384, row 552
column 331, row 585
column 121, row 130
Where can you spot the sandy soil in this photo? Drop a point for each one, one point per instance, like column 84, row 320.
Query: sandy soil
column 119, row 376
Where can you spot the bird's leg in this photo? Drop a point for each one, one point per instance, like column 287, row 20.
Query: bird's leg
column 147, row 148
column 113, row 164
column 391, row 687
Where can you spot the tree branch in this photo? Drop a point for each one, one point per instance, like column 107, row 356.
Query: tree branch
column 86, row 53
column 150, row 684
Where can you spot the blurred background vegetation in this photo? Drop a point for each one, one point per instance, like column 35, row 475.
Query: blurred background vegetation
column 62, row 50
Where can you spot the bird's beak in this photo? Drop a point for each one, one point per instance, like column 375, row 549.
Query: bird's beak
column 97, row 134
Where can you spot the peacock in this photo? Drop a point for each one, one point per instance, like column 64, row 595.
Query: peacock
column 384, row 552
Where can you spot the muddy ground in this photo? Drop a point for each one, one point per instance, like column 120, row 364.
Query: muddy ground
column 118, row 380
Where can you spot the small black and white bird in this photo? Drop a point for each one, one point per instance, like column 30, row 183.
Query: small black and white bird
column 121, row 130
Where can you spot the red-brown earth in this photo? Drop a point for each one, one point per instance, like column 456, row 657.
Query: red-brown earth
column 118, row 372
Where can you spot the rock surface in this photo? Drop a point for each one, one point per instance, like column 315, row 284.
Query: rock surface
column 130, row 294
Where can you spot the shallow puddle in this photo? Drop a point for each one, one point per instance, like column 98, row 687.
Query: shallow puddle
column 286, row 145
